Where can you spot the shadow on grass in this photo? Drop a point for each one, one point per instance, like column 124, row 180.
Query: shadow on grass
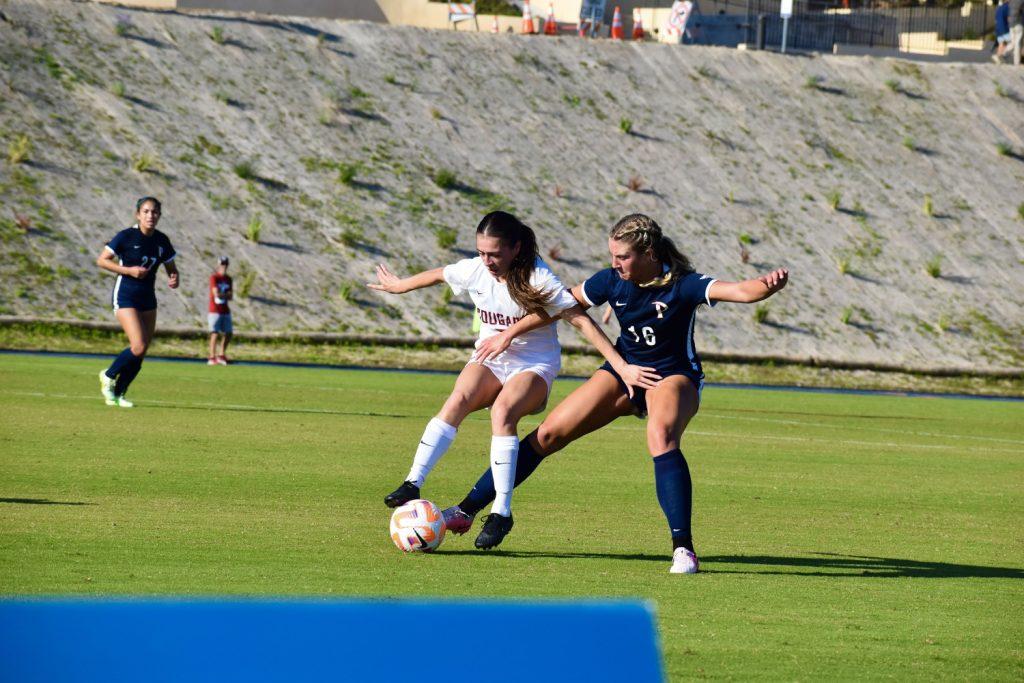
column 800, row 413
column 820, row 564
column 41, row 501
column 207, row 407
column 836, row 565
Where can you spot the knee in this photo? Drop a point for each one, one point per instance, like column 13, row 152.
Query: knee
column 661, row 439
column 139, row 348
column 503, row 419
column 549, row 440
column 455, row 408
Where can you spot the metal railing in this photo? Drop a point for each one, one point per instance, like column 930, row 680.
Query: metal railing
column 819, row 24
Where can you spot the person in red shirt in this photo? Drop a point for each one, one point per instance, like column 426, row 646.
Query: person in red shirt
column 219, row 317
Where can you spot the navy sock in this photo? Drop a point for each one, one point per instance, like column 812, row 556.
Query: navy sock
column 123, row 359
column 129, row 372
column 675, row 494
column 483, row 492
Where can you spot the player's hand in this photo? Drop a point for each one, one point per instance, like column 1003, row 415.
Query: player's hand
column 172, row 280
column 492, row 347
column 137, row 272
column 637, row 376
column 386, row 281
column 775, row 280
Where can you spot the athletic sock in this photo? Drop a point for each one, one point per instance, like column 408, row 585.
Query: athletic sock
column 675, row 495
column 123, row 359
column 436, row 439
column 128, row 373
column 504, row 453
column 483, row 492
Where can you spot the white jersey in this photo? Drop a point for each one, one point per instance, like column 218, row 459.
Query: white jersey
column 497, row 309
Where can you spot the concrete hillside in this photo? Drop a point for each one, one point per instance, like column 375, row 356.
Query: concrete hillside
column 332, row 135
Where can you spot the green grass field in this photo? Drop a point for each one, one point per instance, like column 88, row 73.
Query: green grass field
column 841, row 536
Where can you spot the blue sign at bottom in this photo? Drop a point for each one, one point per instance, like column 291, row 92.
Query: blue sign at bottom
column 289, row 640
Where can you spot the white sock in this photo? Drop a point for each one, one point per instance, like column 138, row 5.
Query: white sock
column 504, row 454
column 436, row 439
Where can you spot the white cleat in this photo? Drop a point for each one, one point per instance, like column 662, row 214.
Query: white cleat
column 107, row 388
column 684, row 562
column 122, row 402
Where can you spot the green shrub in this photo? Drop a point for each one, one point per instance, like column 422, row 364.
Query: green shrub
column 761, row 313
column 1003, row 149
column 934, row 266
column 350, row 237
column 928, row 208
column 19, row 149
column 446, row 237
column 253, row 230
column 217, row 35
column 813, row 82
column 625, row 125
column 1020, row 211
column 845, row 316
column 842, row 264
column 246, row 278
column 892, row 84
column 745, row 238
column 347, row 173
column 346, row 292
column 445, row 179
column 143, row 162
column 833, row 198
column 244, row 170
column 123, row 25
column 908, row 142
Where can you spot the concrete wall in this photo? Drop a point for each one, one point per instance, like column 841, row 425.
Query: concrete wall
column 364, row 10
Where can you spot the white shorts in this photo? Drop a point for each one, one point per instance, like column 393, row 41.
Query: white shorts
column 509, row 364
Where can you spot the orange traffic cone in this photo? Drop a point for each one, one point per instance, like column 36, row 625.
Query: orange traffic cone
column 527, row 17
column 617, row 33
column 638, row 25
column 494, row 24
column 550, row 25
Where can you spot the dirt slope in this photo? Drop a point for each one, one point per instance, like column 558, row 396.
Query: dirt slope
column 329, row 134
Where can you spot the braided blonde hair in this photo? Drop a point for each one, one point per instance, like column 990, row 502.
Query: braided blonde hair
column 641, row 233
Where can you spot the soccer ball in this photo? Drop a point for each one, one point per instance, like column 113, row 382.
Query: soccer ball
column 417, row 526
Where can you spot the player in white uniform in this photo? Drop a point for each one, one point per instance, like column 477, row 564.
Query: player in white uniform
column 506, row 281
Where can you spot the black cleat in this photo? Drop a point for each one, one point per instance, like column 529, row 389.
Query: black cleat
column 402, row 495
column 494, row 531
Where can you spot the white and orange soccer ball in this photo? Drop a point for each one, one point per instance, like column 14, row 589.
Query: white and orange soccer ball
column 417, row 526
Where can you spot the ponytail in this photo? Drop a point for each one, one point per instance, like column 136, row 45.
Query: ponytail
column 643, row 234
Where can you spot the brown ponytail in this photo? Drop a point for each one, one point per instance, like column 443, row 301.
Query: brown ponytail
column 511, row 231
column 642, row 234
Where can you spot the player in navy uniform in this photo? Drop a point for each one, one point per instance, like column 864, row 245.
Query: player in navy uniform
column 134, row 255
column 655, row 293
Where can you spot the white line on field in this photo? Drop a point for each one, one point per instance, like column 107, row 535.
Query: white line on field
column 806, row 423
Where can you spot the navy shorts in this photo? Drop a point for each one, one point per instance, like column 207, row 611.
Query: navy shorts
column 639, row 399
column 142, row 301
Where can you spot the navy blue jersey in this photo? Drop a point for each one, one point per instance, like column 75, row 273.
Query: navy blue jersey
column 135, row 249
column 656, row 323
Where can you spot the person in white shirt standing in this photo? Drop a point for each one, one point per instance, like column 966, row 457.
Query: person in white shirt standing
column 506, row 281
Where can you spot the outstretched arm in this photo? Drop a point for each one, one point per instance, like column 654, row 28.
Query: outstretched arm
column 749, row 291
column 391, row 283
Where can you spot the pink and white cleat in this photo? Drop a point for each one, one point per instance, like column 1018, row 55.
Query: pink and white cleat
column 457, row 521
column 684, row 562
